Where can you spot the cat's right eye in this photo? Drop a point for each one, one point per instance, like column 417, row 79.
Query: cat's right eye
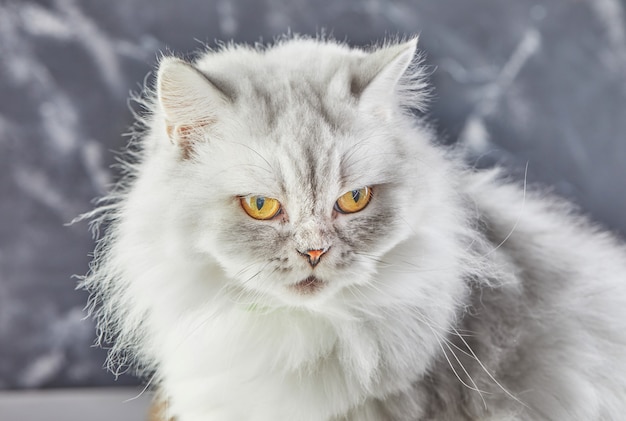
column 260, row 207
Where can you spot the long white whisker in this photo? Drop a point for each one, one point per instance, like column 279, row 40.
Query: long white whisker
column 487, row 371
column 142, row 391
column 519, row 217
column 475, row 386
column 443, row 350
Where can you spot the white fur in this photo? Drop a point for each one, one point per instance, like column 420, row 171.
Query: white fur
column 224, row 338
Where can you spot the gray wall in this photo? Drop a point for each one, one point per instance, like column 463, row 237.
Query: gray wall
column 531, row 82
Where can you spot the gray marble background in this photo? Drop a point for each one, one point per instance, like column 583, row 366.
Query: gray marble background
column 537, row 82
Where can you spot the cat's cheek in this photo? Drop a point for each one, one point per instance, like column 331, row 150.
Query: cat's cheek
column 366, row 232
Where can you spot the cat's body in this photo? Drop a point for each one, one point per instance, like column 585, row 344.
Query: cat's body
column 446, row 295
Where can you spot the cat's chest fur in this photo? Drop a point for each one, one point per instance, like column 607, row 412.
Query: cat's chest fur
column 264, row 364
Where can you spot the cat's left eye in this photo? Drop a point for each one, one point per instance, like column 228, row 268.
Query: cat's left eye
column 260, row 207
column 354, row 200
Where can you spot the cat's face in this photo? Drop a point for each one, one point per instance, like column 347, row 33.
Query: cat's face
column 298, row 187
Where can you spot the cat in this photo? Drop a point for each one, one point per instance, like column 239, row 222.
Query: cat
column 290, row 242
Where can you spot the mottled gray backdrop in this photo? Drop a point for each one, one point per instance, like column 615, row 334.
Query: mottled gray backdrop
column 537, row 82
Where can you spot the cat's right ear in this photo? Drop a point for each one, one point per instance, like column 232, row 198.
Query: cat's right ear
column 190, row 102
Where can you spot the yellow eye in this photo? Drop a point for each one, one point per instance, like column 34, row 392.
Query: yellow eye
column 260, row 207
column 354, row 200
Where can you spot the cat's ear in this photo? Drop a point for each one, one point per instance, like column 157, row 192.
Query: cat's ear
column 378, row 83
column 191, row 103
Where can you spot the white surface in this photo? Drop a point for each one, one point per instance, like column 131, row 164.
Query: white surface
column 115, row 404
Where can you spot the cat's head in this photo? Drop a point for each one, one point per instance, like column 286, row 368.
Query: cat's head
column 297, row 167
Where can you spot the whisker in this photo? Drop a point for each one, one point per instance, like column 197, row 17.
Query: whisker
column 143, row 391
column 519, row 216
column 452, row 365
column 487, row 371
column 255, row 152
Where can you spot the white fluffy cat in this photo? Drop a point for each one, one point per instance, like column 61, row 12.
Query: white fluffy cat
column 289, row 244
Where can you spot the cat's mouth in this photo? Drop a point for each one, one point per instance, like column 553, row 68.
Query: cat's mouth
column 308, row 286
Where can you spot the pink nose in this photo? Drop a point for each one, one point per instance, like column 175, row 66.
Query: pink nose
column 314, row 256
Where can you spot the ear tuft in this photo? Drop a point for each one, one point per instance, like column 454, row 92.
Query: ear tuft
column 190, row 102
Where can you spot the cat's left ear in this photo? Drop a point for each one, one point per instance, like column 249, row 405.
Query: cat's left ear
column 191, row 103
column 384, row 76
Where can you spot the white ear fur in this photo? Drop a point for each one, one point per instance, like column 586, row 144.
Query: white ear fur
column 190, row 102
column 392, row 63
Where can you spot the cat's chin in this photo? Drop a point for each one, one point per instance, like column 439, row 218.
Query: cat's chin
column 311, row 285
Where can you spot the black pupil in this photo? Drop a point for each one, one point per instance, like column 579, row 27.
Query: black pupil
column 260, row 201
column 356, row 195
